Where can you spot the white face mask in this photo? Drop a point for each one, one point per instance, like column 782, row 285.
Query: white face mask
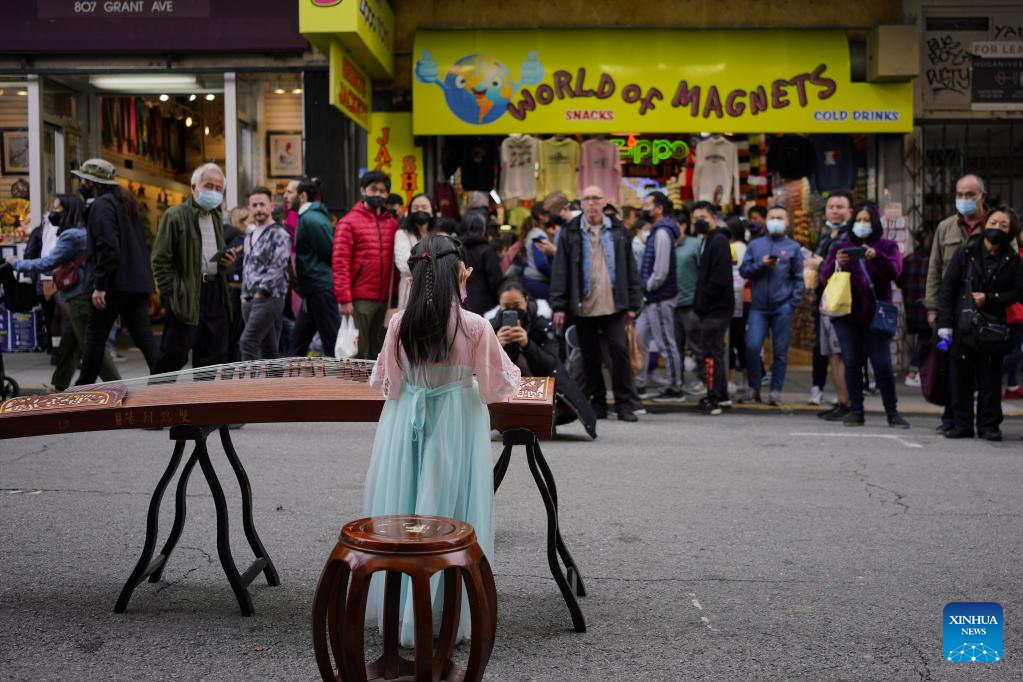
column 862, row 230
column 775, row 226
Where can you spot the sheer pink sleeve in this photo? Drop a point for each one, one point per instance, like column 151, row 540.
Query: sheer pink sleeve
column 497, row 375
column 387, row 372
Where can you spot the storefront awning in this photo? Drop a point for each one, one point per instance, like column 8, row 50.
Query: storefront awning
column 651, row 81
column 365, row 28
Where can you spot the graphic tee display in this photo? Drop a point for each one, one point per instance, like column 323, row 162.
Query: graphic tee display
column 835, row 162
column 559, row 167
column 601, row 165
column 519, row 155
column 716, row 176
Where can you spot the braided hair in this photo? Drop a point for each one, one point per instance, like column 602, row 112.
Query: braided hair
column 435, row 264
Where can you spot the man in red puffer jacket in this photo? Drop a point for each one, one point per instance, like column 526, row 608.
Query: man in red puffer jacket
column 363, row 262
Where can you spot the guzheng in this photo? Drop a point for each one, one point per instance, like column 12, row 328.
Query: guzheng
column 286, row 390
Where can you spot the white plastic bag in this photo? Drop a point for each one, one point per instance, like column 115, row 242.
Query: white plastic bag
column 347, row 344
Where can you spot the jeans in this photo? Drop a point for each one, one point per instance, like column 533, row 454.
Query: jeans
column 687, row 336
column 612, row 329
column 72, row 342
column 133, row 309
column 262, row 328
column 660, row 321
column 779, row 322
column 859, row 343
column 715, row 354
column 206, row 341
column 318, row 313
column 369, row 320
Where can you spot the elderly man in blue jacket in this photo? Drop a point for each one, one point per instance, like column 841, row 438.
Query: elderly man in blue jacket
column 774, row 265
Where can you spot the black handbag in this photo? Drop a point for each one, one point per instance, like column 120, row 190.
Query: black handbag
column 886, row 314
column 975, row 329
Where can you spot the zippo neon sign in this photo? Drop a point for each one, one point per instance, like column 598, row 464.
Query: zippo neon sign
column 650, row 151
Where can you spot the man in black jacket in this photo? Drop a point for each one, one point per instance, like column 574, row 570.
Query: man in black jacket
column 117, row 267
column 594, row 281
column 715, row 304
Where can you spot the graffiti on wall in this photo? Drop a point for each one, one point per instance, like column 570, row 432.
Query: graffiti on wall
column 948, row 65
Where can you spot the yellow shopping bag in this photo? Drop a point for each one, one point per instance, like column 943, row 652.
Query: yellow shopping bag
column 837, row 298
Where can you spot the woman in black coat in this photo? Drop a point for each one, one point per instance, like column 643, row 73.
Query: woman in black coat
column 984, row 277
column 481, row 289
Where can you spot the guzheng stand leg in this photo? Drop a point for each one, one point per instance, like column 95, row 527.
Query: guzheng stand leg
column 548, row 492
column 147, row 567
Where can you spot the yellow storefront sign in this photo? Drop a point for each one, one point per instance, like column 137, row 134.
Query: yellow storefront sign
column 652, row 81
column 364, row 27
column 351, row 90
column 392, row 150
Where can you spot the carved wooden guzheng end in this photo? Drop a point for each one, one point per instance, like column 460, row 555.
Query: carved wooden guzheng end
column 287, row 390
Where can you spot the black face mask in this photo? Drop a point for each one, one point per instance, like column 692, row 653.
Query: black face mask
column 995, row 237
column 702, row 226
column 555, row 221
column 374, row 202
column 648, row 216
column 86, row 192
column 55, row 218
column 421, row 217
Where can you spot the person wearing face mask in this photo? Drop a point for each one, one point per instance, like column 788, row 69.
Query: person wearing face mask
column 687, row 322
column 118, row 276
column 417, row 224
column 984, row 277
column 314, row 279
column 827, row 352
column 363, row 262
column 715, row 304
column 757, row 217
column 531, row 343
column 949, row 236
column 190, row 261
column 873, row 263
column 774, row 265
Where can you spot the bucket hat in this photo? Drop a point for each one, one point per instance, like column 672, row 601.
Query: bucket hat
column 97, row 170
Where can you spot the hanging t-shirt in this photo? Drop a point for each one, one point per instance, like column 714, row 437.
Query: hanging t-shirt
column 445, row 203
column 836, row 162
column 559, row 167
column 716, row 176
column 519, row 155
column 600, row 164
column 479, row 164
column 792, row 157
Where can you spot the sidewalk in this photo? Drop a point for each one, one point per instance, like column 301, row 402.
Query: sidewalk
column 32, row 372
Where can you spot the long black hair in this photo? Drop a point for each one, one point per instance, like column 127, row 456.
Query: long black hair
column 435, row 264
column 74, row 211
column 411, row 227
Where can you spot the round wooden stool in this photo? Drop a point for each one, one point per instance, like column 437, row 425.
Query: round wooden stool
column 419, row 547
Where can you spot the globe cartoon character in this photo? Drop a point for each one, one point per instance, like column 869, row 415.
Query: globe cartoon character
column 478, row 87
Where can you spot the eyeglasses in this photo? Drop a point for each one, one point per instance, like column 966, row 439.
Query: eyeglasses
column 593, row 198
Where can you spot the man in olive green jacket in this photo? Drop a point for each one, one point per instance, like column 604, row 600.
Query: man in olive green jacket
column 189, row 262
column 949, row 236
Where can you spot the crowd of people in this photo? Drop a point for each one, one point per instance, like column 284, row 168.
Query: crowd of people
column 583, row 287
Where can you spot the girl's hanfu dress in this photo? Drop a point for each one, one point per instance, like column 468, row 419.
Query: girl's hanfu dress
column 432, row 451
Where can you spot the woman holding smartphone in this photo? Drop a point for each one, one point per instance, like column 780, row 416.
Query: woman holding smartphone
column 873, row 263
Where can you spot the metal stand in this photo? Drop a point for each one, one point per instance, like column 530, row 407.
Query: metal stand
column 570, row 582
column 147, row 567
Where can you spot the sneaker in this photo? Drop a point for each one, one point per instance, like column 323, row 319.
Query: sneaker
column 625, row 414
column 839, row 414
column 958, row 433
column 993, row 435
column 913, row 381
column 897, row 421
column 853, row 419
column 816, row 396
column 709, row 406
column 640, row 411
column 824, row 414
column 1013, row 393
column 747, row 395
column 766, row 379
column 695, row 387
column 725, row 403
column 670, row 395
column 731, row 388
column 643, row 393
column 774, row 398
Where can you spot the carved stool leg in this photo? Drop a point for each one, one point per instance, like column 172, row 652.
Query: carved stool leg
column 246, row 490
column 336, row 598
column 142, row 568
column 501, row 468
column 390, row 661
column 325, row 589
column 352, row 638
column 423, row 610
column 241, row 593
column 180, row 512
column 448, row 624
column 483, row 620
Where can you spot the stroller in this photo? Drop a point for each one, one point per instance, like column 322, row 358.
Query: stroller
column 17, row 297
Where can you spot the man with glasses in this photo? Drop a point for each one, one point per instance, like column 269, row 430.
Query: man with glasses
column 594, row 283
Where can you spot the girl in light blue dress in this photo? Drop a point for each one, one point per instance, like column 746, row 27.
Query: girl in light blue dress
column 432, row 452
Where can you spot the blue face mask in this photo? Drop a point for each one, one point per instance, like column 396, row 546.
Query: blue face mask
column 209, row 200
column 862, row 230
column 775, row 227
column 966, row 206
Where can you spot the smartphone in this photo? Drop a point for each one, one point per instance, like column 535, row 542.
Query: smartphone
column 856, row 252
column 539, row 239
column 509, row 318
column 219, row 254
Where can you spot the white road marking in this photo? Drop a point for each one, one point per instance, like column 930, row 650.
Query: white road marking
column 900, row 441
column 696, row 603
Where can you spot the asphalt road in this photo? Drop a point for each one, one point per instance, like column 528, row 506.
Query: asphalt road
column 747, row 546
